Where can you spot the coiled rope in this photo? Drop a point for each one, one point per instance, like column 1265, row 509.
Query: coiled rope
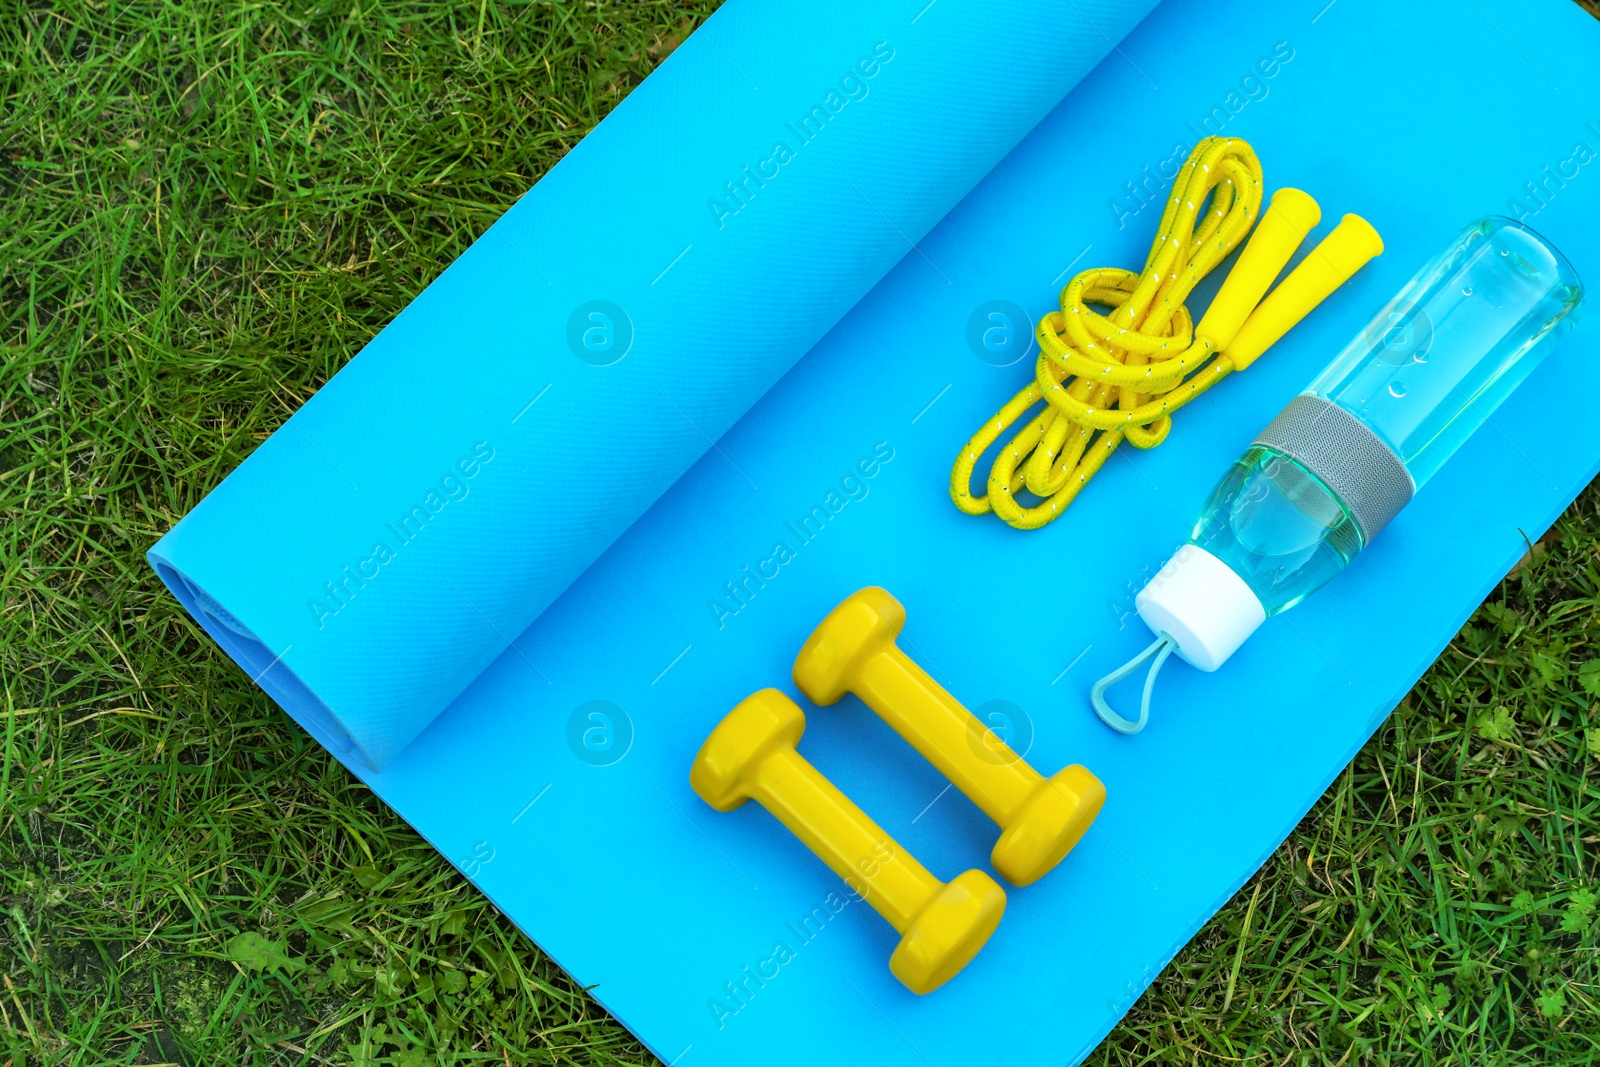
column 1109, row 377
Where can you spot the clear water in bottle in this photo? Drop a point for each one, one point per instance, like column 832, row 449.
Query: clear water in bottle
column 1278, row 527
column 1428, row 371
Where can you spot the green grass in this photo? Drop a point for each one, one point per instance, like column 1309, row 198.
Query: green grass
column 205, row 209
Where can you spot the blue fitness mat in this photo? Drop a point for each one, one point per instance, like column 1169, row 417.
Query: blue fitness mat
column 499, row 567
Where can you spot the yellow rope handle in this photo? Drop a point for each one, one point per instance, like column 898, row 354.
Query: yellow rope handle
column 1121, row 375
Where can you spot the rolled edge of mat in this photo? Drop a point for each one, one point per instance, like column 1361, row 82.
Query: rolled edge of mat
column 268, row 669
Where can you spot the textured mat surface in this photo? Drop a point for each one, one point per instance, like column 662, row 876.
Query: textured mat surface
column 487, row 446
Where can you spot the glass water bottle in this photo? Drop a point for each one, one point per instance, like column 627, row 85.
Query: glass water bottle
column 1346, row 455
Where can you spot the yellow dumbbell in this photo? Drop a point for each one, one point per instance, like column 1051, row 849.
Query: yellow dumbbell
column 853, row 651
column 751, row 756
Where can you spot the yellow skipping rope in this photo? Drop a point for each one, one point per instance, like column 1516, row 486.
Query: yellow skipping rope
column 1121, row 375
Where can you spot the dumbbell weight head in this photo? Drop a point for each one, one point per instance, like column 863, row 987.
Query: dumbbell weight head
column 1048, row 825
column 948, row 931
column 854, row 631
column 761, row 724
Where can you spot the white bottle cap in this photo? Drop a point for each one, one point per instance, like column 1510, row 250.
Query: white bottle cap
column 1199, row 602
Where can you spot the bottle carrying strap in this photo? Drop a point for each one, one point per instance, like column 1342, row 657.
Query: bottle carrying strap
column 1162, row 647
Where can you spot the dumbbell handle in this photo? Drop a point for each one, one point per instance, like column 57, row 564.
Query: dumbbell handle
column 939, row 726
column 843, row 836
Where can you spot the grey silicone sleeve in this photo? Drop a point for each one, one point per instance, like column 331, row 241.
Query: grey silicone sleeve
column 1346, row 456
